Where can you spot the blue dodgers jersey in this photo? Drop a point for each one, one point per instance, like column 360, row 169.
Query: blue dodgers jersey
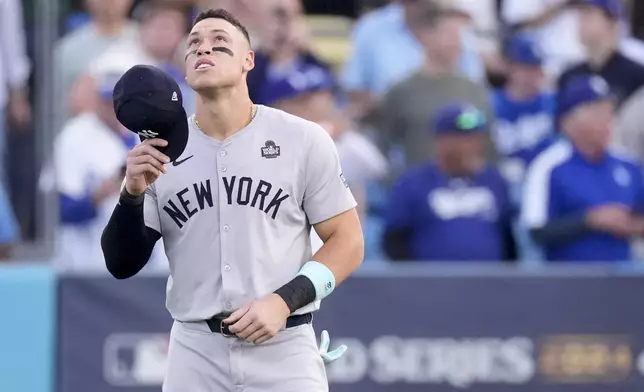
column 523, row 129
column 562, row 184
column 450, row 218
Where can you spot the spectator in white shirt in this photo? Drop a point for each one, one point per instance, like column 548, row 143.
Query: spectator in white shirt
column 89, row 167
column 14, row 71
column 76, row 51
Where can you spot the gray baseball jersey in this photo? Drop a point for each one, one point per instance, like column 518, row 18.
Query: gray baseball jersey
column 236, row 215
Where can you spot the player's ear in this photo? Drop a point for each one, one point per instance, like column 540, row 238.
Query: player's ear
column 249, row 61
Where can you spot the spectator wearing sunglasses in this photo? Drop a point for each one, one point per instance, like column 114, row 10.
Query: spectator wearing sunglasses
column 455, row 207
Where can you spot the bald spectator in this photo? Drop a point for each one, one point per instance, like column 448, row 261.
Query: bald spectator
column 407, row 109
column 76, row 51
column 386, row 50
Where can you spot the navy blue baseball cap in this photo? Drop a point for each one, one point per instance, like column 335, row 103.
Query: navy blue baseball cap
column 613, row 8
column 522, row 49
column 459, row 118
column 304, row 79
column 148, row 102
column 582, row 90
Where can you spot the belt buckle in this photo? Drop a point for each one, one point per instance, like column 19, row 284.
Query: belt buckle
column 222, row 328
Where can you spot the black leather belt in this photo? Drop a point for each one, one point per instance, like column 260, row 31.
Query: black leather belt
column 217, row 325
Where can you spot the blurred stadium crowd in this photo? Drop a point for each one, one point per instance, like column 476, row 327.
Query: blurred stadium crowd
column 469, row 130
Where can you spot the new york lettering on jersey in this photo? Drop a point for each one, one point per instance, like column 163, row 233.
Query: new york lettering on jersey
column 242, row 191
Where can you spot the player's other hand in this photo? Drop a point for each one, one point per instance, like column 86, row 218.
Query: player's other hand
column 144, row 165
column 261, row 320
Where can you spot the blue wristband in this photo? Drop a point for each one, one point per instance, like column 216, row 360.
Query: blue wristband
column 321, row 277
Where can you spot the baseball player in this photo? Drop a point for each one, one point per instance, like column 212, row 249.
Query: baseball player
column 235, row 210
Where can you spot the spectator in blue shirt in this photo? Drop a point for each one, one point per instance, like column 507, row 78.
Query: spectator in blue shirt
column 455, row 207
column 582, row 202
column 283, row 49
column 524, row 110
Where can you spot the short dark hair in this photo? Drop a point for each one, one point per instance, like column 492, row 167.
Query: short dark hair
column 221, row 13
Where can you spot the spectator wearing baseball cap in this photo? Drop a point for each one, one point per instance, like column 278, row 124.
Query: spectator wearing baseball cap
column 456, row 206
column 524, row 109
column 582, row 201
column 309, row 93
column 600, row 29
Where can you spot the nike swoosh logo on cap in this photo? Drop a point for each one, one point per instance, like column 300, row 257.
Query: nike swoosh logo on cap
column 179, row 162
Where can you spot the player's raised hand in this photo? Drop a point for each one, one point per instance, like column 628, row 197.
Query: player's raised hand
column 261, row 320
column 144, row 165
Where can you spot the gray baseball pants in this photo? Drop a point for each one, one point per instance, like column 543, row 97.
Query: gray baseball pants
column 202, row 361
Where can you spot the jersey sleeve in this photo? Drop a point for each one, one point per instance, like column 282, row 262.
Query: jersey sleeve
column 151, row 209
column 326, row 192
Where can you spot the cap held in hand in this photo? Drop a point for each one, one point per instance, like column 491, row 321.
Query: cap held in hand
column 148, row 102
